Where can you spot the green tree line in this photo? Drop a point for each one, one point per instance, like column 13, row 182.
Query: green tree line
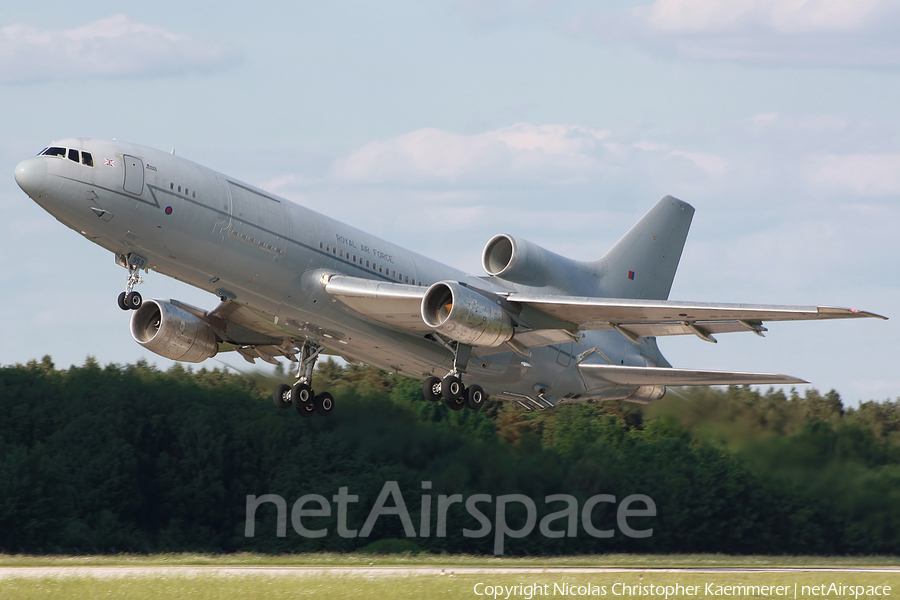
column 131, row 458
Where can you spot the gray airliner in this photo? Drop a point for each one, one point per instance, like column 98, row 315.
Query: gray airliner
column 538, row 330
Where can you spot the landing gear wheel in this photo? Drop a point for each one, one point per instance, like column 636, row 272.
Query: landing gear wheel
column 453, row 392
column 282, row 396
column 323, row 404
column 475, row 397
column 133, row 300
column 302, row 399
column 431, row 389
column 122, row 304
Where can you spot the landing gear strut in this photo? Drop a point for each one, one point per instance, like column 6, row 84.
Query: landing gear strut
column 301, row 395
column 451, row 388
column 129, row 299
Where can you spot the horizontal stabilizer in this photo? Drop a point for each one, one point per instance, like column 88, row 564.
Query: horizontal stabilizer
column 605, row 374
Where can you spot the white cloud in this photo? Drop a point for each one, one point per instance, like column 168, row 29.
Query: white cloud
column 522, row 153
column 863, row 174
column 782, row 16
column 116, row 46
column 767, row 32
column 710, row 164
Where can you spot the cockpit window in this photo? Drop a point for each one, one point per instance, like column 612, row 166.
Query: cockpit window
column 54, row 151
column 73, row 155
column 42, row 151
column 87, row 159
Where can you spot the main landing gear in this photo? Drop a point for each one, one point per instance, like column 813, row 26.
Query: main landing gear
column 454, row 393
column 451, row 388
column 301, row 396
column 129, row 299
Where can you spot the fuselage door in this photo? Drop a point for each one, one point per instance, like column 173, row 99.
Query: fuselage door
column 134, row 174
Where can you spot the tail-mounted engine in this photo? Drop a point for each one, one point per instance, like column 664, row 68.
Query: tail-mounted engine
column 169, row 331
column 514, row 259
column 465, row 315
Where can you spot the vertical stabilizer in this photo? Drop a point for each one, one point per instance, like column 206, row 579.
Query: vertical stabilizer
column 642, row 264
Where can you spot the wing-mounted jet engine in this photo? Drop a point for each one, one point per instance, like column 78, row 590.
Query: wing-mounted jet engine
column 167, row 330
column 465, row 315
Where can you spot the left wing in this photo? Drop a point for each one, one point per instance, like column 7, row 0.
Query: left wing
column 545, row 319
column 652, row 318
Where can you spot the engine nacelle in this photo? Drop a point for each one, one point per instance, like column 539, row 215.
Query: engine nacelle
column 465, row 315
column 163, row 328
column 514, row 259
column 647, row 394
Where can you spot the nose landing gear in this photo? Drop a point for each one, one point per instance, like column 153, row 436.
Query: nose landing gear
column 301, row 396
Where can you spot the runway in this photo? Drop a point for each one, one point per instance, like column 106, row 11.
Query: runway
column 107, row 572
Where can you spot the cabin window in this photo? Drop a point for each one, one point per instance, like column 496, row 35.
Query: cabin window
column 407, row 279
column 193, row 194
column 179, row 189
column 334, row 250
column 86, row 159
column 367, row 264
column 394, row 274
column 321, row 245
column 73, row 155
column 54, row 151
column 381, row 269
column 171, row 186
column 342, row 254
column 186, row 193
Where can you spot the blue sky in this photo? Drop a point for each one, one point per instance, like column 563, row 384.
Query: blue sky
column 437, row 125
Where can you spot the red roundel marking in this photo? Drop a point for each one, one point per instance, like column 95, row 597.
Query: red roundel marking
column 168, row 210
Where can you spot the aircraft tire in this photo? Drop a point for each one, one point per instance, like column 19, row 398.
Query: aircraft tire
column 121, row 300
column 475, row 397
column 452, row 388
column 455, row 404
column 454, row 392
column 302, row 399
column 431, row 389
column 282, row 396
column 133, row 300
column 324, row 404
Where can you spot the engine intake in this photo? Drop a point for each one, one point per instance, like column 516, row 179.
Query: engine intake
column 465, row 315
column 163, row 328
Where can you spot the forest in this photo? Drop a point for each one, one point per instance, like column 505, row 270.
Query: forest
column 130, row 458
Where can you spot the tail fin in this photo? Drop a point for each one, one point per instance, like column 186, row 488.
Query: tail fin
column 642, row 264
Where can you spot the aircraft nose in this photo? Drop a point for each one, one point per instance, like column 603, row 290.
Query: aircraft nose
column 30, row 174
